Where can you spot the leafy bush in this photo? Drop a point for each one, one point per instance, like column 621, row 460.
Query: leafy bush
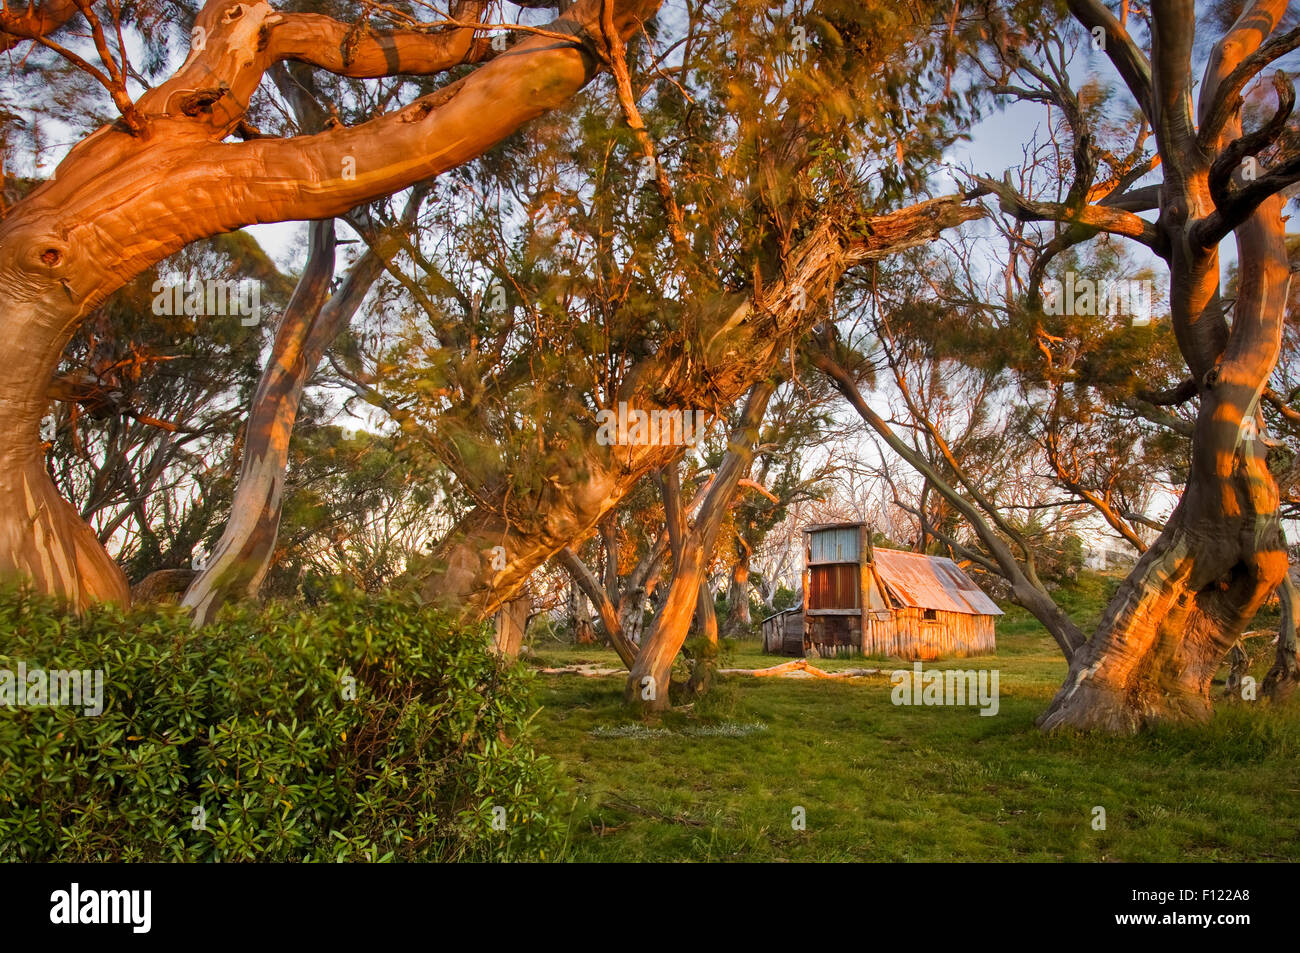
column 367, row 729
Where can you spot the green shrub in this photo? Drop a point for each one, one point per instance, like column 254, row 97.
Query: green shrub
column 365, row 729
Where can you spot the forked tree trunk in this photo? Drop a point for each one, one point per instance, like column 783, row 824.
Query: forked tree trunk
column 1192, row 594
column 650, row 679
column 639, row 586
column 313, row 319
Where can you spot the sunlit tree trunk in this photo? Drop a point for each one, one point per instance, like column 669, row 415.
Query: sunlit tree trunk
column 1192, row 593
column 1166, row 631
column 648, row 682
column 42, row 537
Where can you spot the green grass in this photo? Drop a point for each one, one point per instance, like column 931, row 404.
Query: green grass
column 720, row 780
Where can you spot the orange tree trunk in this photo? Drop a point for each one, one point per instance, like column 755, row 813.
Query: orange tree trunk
column 649, row 680
column 42, row 537
column 1191, row 595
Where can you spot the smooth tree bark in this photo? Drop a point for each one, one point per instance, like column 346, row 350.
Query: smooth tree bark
column 738, row 588
column 138, row 190
column 650, row 678
column 312, row 321
column 1170, row 624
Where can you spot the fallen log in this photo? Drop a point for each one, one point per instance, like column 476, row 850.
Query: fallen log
column 587, row 671
column 798, row 668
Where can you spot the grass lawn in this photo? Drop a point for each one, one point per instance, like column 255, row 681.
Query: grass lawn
column 722, row 780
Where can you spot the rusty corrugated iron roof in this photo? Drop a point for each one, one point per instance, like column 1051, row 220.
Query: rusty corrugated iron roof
column 931, row 582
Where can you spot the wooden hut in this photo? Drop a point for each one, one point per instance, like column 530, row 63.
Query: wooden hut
column 859, row 598
column 783, row 632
